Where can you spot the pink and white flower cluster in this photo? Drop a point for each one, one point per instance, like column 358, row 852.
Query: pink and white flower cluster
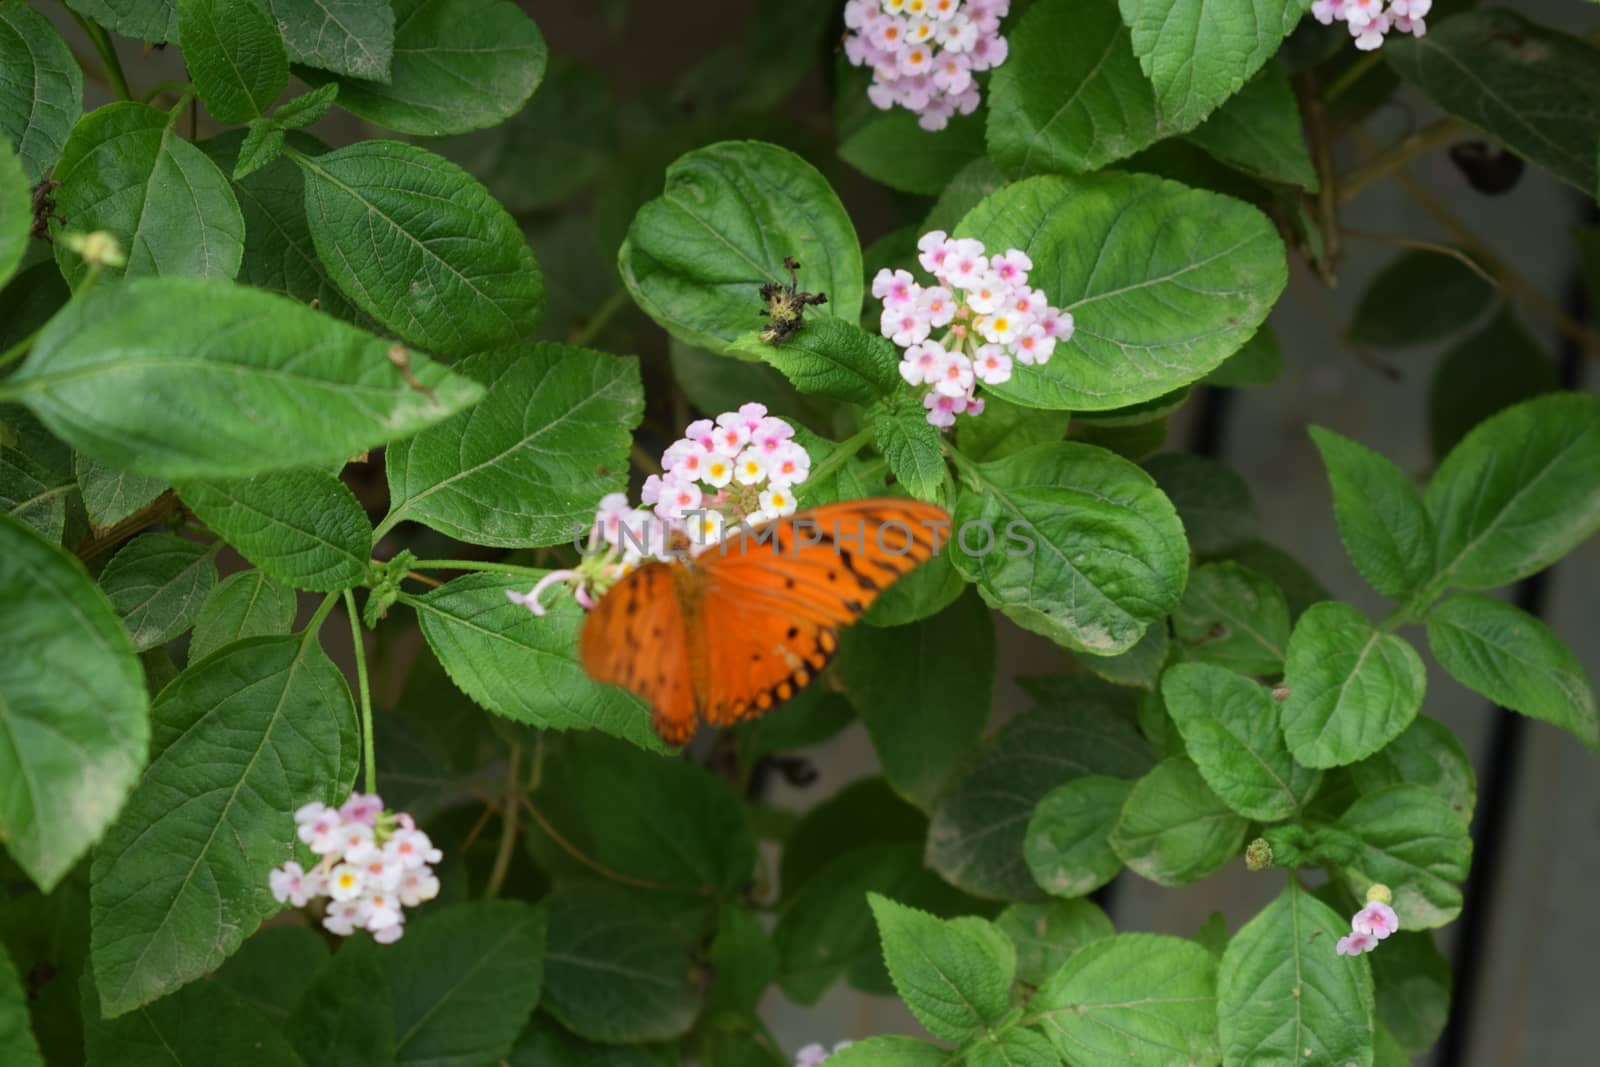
column 741, row 467
column 816, row 1053
column 1371, row 20
column 374, row 865
column 1373, row 923
column 980, row 320
column 924, row 53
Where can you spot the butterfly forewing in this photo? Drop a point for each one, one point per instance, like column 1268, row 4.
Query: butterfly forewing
column 638, row 637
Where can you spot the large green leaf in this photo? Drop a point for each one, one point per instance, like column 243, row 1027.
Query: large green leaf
column 1068, row 847
column 1138, row 999
column 125, row 170
column 545, row 1043
column 1536, row 90
column 1440, row 288
column 111, row 495
column 1285, row 996
column 464, row 982
column 1487, row 372
column 242, row 739
column 143, row 20
column 894, row 149
column 1384, row 526
column 1514, row 659
column 1426, row 754
column 891, row 1051
column 954, row 974
column 530, row 462
column 1070, row 98
column 924, row 691
column 16, row 1036
column 1230, row 728
column 1415, row 843
column 1352, row 688
column 1164, row 282
column 235, row 55
column 345, row 1013
column 1213, row 501
column 1199, row 53
column 302, row 527
column 247, row 604
column 41, row 88
column 522, row 666
column 16, row 212
column 1073, row 542
column 1233, row 617
column 1258, row 131
column 72, row 707
column 1046, row 933
column 697, row 256
column 1412, row 981
column 354, row 37
column 457, row 65
column 34, row 494
column 156, row 584
column 1519, row 492
column 975, row 840
column 831, row 358
column 132, row 374
column 911, row 445
column 420, row 245
column 1174, row 830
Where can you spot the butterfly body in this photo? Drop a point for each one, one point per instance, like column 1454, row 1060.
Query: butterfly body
column 743, row 627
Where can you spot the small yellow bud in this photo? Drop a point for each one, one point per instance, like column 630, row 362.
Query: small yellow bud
column 98, row 249
column 1379, row 894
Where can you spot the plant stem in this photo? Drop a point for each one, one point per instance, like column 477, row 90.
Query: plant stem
column 1392, row 159
column 159, row 508
column 20, row 349
column 476, row 565
column 1354, row 73
column 601, row 318
column 321, row 616
column 108, row 53
column 840, row 455
column 1314, row 113
column 369, row 749
column 508, row 824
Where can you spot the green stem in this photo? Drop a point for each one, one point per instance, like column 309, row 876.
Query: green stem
column 476, row 565
column 840, row 455
column 321, row 615
column 601, row 318
column 24, row 346
column 1354, row 73
column 508, row 824
column 108, row 53
column 390, row 521
column 20, row 349
column 369, row 750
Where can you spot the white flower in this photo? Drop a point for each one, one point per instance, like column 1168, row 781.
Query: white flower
column 342, row 917
column 288, row 884
column 751, row 467
column 345, row 882
column 717, row 470
column 776, row 503
column 954, row 375
column 1003, row 327
column 418, row 886
column 992, row 365
column 412, row 848
column 321, row 830
column 988, row 294
column 791, row 466
column 356, row 841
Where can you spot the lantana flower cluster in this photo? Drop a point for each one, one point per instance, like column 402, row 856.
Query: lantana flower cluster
column 741, row 467
column 1370, row 21
column 1373, row 923
column 374, row 865
column 815, row 1054
column 924, row 53
column 980, row 320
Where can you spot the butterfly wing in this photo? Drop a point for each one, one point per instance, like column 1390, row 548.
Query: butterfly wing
column 772, row 602
column 637, row 637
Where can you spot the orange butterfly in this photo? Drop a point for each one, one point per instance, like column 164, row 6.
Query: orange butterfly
column 743, row 627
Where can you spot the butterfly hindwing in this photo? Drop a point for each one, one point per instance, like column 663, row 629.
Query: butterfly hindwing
column 637, row 637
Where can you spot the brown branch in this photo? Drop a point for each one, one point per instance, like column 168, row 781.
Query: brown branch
column 1315, row 116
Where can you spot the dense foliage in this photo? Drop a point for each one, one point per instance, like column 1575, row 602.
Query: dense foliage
column 288, row 430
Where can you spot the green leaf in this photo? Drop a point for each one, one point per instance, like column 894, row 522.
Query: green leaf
column 682, row 831
column 1068, row 845
column 1258, row 131
column 1006, row 428
column 1140, row 665
column 1164, row 282
column 1046, row 934
column 417, row 243
column 528, row 464
column 1514, row 659
column 1443, row 296
column 1352, row 688
column 72, row 704
column 1198, row 55
column 278, row 251
column 830, row 358
column 545, row 1044
column 895, row 150
column 954, row 975
column 1233, row 617
column 890, row 1052
column 465, row 980
column 1070, row 98
column 247, row 604
column 16, row 1035
column 1427, row 754
column 1099, row 551
column 521, row 666
column 1415, row 843
column 302, row 527
column 1382, row 522
column 130, row 375
column 156, row 584
column 353, row 37
column 262, row 145
column 242, row 739
column 125, row 170
column 617, row 968
column 1015, row 1047
column 1285, row 996
column 1137, row 999
column 111, row 495
column 1174, row 830
column 235, row 56
column 1519, row 492
column 865, row 815
column 274, row 968
column 203, row 1023
column 1212, row 500
column 696, row 257
column 923, row 691
column 911, row 444
column 976, row 837
column 306, row 108
column 970, row 185
column 143, row 20
column 1486, row 373
column 925, row 592
column 1412, row 981
column 1300, row 588
column 16, row 212
column 1259, row 362
column 41, row 88
column 1230, row 728
column 34, row 495
column 1534, row 89
column 346, row 1013
column 457, row 65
